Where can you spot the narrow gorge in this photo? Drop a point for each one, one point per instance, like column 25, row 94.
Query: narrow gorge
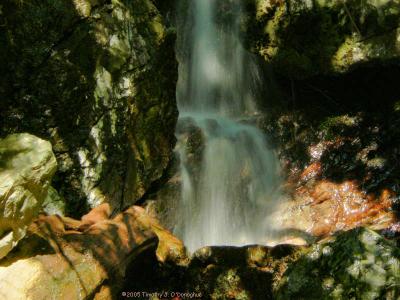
column 199, row 149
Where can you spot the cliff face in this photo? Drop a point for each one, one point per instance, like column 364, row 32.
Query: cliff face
column 97, row 79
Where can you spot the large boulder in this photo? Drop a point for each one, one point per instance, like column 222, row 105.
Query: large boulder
column 27, row 165
column 64, row 258
column 308, row 38
column 97, row 78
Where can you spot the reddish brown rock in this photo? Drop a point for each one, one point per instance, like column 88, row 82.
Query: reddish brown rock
column 84, row 258
column 312, row 171
column 323, row 208
column 99, row 213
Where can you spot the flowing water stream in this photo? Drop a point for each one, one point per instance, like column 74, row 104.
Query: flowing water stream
column 227, row 200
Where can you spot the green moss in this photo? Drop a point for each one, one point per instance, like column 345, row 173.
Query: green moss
column 397, row 106
column 332, row 126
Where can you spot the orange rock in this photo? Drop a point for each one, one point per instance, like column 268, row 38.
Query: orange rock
column 99, row 213
column 327, row 207
column 85, row 254
column 312, row 171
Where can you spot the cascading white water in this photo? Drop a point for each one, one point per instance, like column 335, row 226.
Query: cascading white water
column 228, row 201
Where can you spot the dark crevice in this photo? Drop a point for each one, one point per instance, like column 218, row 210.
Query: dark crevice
column 156, row 185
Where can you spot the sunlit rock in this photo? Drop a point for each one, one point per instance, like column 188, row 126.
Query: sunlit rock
column 359, row 263
column 27, row 165
column 63, row 258
column 323, row 208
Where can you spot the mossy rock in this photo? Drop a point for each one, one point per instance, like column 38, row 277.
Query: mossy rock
column 359, row 264
column 307, row 38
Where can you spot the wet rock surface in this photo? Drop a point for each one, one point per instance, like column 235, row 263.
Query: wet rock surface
column 324, row 208
column 164, row 202
column 356, row 262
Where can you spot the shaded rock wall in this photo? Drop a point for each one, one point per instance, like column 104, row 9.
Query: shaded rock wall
column 306, row 38
column 97, row 79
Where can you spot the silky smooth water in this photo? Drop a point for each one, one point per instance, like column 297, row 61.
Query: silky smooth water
column 229, row 200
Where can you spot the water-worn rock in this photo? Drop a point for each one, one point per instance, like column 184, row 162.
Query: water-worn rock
column 306, row 38
column 164, row 204
column 63, row 258
column 357, row 264
column 96, row 78
column 216, row 273
column 323, row 208
column 27, row 165
column 342, row 168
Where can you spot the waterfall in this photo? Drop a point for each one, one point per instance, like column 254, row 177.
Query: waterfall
column 226, row 200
